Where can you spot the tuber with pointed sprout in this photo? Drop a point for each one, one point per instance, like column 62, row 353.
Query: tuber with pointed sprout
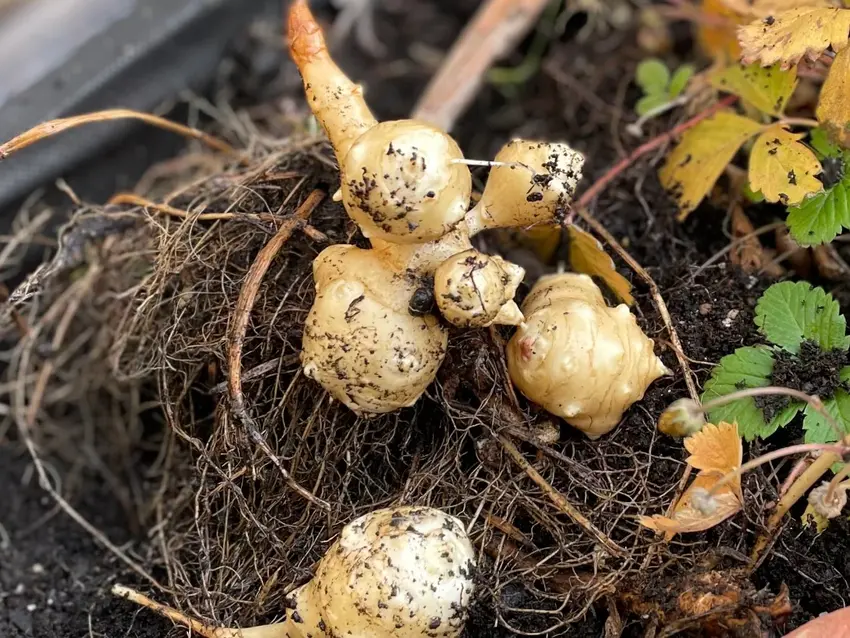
column 368, row 340
column 404, row 572
column 577, row 357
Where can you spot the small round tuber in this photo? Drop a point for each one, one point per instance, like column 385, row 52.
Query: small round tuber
column 400, row 182
column 530, row 183
column 578, row 358
column 361, row 342
column 476, row 290
column 403, row 572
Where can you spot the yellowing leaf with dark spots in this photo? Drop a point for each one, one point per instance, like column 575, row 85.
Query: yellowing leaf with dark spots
column 765, row 88
column 782, row 168
column 704, row 151
column 788, row 36
column 589, row 257
column 811, row 518
column 834, row 104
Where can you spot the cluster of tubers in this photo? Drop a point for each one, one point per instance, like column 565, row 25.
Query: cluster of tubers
column 404, row 572
column 372, row 338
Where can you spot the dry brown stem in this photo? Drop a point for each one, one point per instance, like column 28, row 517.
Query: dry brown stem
column 53, row 127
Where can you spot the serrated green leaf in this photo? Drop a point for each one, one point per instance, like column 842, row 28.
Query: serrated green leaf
column 818, row 219
column 820, row 141
column 817, row 428
column 789, row 312
column 680, row 80
column 748, row 367
column 844, row 374
column 650, row 102
column 652, row 76
column 765, row 88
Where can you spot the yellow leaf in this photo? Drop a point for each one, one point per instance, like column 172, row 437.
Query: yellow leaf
column 767, row 89
column 834, row 105
column 762, row 8
column 715, row 447
column 589, row 257
column 782, row 168
column 687, row 518
column 811, row 517
column 700, row 157
column 789, row 35
column 543, row 240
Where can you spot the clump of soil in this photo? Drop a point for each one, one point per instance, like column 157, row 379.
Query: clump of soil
column 812, row 371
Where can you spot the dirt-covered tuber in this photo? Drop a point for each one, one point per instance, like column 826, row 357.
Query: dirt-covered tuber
column 368, row 340
column 577, row 357
column 361, row 342
column 477, row 290
column 404, row 572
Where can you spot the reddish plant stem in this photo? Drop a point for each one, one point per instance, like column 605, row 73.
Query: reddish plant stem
column 651, row 145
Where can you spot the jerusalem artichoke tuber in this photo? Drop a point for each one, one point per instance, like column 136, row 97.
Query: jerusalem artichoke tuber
column 579, row 358
column 404, row 572
column 406, row 185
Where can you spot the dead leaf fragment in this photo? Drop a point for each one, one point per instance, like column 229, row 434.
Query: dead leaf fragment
column 811, row 517
column 715, row 451
column 782, row 168
column 589, row 257
column 788, row 36
column 716, row 29
column 748, row 253
column 687, row 518
column 700, row 157
column 833, row 110
column 716, row 447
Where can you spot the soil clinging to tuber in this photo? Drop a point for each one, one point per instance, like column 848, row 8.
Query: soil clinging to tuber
column 407, row 187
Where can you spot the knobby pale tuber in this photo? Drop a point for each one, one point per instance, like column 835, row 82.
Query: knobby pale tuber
column 360, row 340
column 404, row 572
column 370, row 338
column 577, row 357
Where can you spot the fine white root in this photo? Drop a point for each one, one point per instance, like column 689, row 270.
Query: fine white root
column 579, row 358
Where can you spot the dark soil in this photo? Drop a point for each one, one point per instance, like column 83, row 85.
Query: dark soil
column 582, row 94
column 812, row 371
column 54, row 578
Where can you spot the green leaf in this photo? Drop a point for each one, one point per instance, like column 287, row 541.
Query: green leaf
column 680, row 80
column 650, row 102
column 765, row 88
column 818, row 219
column 818, row 429
column 789, row 312
column 652, row 76
column 748, row 367
column 820, row 141
column 755, row 197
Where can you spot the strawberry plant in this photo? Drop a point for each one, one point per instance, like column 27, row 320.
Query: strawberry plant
column 801, row 325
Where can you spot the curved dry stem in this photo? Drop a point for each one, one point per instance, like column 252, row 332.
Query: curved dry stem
column 54, row 127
